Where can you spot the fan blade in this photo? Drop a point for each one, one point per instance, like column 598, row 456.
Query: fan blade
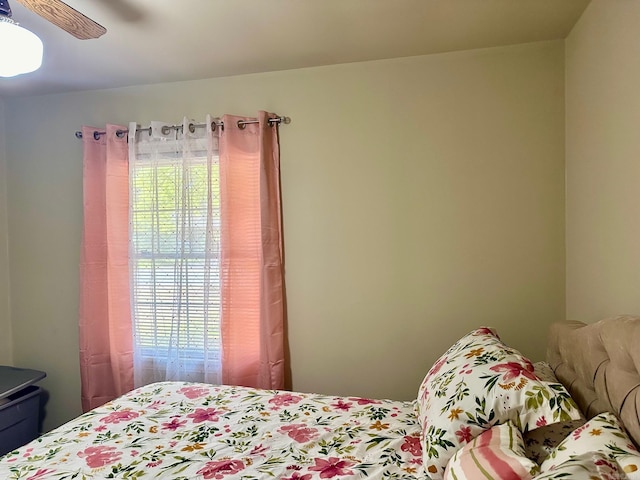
column 66, row 17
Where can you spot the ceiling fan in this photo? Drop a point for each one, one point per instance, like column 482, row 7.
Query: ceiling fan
column 61, row 15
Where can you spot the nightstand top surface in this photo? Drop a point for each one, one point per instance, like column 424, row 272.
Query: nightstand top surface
column 14, row 379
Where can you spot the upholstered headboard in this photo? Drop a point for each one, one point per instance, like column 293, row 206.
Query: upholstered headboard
column 600, row 364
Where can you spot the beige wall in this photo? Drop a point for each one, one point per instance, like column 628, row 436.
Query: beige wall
column 423, row 197
column 6, row 344
column 603, row 161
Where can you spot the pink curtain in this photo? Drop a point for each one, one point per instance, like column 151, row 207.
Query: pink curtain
column 106, row 350
column 251, row 254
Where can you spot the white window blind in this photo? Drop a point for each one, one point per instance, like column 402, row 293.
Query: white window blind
column 174, row 259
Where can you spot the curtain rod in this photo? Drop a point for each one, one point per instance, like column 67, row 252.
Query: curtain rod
column 192, row 127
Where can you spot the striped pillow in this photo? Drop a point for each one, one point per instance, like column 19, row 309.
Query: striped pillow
column 497, row 453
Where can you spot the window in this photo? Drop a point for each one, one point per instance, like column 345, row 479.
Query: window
column 174, row 262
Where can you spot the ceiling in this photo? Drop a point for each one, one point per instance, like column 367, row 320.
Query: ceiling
column 154, row 41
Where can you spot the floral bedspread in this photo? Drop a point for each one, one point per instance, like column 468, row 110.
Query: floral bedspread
column 180, row 431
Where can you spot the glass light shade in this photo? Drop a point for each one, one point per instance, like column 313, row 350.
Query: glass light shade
column 20, row 49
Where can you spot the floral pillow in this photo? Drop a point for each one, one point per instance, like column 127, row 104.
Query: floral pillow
column 540, row 442
column 602, row 433
column 588, row 466
column 477, row 383
column 495, row 453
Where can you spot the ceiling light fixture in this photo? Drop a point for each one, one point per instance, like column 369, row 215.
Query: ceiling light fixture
column 21, row 49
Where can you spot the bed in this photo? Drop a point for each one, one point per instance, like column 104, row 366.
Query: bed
column 481, row 405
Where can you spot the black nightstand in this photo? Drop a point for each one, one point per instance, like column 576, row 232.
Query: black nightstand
column 19, row 407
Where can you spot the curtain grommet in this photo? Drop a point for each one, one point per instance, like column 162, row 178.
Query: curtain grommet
column 96, row 135
column 241, row 125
